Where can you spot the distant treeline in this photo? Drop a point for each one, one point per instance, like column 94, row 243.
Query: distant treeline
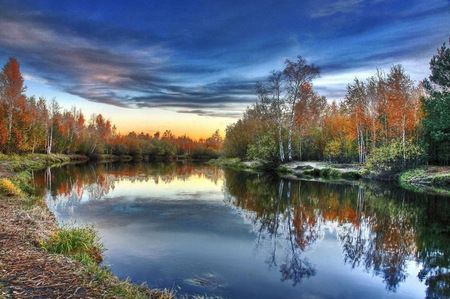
column 386, row 121
column 34, row 125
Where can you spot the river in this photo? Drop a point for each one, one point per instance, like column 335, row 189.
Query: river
column 203, row 230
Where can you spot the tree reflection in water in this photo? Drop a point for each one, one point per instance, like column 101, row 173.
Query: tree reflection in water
column 379, row 227
column 97, row 180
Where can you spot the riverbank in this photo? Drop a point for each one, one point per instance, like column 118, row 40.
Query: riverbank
column 435, row 179
column 29, row 233
column 432, row 179
column 295, row 169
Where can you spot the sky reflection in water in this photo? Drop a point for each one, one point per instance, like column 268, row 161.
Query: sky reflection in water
column 202, row 230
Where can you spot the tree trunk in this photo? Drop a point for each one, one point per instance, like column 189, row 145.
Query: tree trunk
column 363, row 146
column 290, row 143
column 291, row 125
column 91, row 151
column 280, row 141
column 10, row 120
column 404, row 139
column 50, row 140
column 300, row 148
column 374, row 132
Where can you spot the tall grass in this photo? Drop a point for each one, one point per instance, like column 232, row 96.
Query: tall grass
column 81, row 243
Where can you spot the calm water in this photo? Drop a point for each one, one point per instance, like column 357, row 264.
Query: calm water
column 207, row 231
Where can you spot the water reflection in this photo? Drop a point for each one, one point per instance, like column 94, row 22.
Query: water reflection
column 71, row 182
column 378, row 228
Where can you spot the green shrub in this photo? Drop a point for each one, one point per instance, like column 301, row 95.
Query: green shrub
column 81, row 243
column 281, row 169
column 265, row 149
column 395, row 157
column 330, row 173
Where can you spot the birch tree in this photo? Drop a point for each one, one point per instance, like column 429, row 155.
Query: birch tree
column 275, row 89
column 298, row 74
column 356, row 100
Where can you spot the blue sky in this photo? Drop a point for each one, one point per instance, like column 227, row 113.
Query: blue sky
column 202, row 58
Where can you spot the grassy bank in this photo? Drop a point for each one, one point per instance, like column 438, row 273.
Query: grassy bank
column 17, row 164
column 39, row 259
column 291, row 169
column 432, row 179
column 330, row 173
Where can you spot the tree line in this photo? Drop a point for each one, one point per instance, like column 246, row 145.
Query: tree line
column 31, row 125
column 386, row 121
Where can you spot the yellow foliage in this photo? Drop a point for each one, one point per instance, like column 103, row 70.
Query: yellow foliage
column 8, row 188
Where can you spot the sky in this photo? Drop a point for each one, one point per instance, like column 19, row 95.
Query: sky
column 191, row 66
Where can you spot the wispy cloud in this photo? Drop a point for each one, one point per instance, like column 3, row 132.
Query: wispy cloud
column 331, row 8
column 99, row 71
column 205, row 57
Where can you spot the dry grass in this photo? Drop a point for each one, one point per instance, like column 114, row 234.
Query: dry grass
column 8, row 188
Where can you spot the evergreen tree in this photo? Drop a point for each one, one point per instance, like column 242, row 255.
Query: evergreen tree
column 436, row 108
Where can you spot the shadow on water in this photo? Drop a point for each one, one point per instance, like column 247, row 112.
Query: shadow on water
column 378, row 227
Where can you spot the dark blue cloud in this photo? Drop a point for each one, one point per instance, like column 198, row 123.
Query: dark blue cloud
column 203, row 56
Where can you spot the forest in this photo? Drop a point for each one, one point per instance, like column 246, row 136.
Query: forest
column 30, row 125
column 386, row 121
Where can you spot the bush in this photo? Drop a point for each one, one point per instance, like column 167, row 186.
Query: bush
column 330, row 173
column 8, row 188
column 389, row 157
column 281, row 169
column 265, row 149
column 203, row 153
column 81, row 243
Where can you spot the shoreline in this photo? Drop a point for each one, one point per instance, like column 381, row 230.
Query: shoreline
column 429, row 179
column 27, row 269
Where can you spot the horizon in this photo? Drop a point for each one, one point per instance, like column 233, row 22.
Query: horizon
column 191, row 68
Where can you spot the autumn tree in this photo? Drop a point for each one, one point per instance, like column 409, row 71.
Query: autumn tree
column 215, row 141
column 38, row 113
column 236, row 141
column 338, row 133
column 297, row 74
column 275, row 88
column 402, row 105
column 12, row 98
column 357, row 102
column 99, row 132
column 308, row 113
column 53, row 115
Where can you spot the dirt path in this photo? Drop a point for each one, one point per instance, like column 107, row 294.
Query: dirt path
column 29, row 272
